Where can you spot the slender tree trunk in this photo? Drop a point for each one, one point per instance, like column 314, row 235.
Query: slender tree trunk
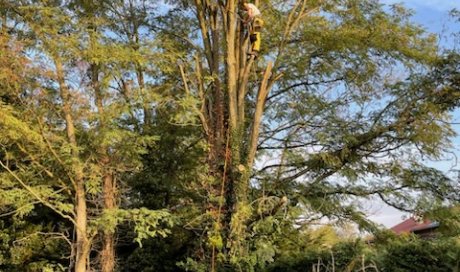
column 145, row 106
column 108, row 243
column 107, row 255
column 231, row 65
column 83, row 243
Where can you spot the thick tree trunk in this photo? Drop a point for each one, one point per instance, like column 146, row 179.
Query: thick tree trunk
column 237, row 75
column 233, row 145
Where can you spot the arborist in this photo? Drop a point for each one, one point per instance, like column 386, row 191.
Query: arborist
column 254, row 21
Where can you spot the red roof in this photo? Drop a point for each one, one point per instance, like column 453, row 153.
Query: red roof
column 412, row 225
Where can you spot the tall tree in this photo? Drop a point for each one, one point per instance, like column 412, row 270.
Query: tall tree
column 66, row 145
column 341, row 100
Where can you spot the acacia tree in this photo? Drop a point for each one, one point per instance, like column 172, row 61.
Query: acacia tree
column 342, row 99
column 342, row 102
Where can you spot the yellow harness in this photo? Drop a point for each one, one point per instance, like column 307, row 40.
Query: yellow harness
column 255, row 36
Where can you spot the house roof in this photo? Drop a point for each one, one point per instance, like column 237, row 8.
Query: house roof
column 412, row 225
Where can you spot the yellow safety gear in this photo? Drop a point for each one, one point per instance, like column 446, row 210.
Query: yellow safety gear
column 256, row 41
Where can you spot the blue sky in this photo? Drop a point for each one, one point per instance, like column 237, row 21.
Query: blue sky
column 432, row 5
column 432, row 15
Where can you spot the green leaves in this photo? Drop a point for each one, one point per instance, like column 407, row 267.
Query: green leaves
column 120, row 108
column 147, row 223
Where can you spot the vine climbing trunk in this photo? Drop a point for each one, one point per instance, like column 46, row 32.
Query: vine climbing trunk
column 237, row 195
column 213, row 113
column 232, row 139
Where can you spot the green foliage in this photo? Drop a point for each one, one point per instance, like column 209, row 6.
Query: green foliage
column 362, row 96
column 30, row 243
column 41, row 163
column 411, row 254
column 147, row 223
column 385, row 253
column 192, row 265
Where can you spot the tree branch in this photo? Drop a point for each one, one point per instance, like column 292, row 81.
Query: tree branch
column 37, row 196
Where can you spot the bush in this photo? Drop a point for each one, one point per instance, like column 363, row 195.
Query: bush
column 410, row 254
column 391, row 254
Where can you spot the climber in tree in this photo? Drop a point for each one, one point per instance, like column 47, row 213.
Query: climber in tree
column 255, row 26
column 252, row 12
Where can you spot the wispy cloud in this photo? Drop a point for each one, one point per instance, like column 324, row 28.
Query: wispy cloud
column 439, row 5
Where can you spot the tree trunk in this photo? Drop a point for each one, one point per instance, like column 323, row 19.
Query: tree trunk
column 83, row 244
column 107, row 254
column 108, row 243
column 232, row 144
